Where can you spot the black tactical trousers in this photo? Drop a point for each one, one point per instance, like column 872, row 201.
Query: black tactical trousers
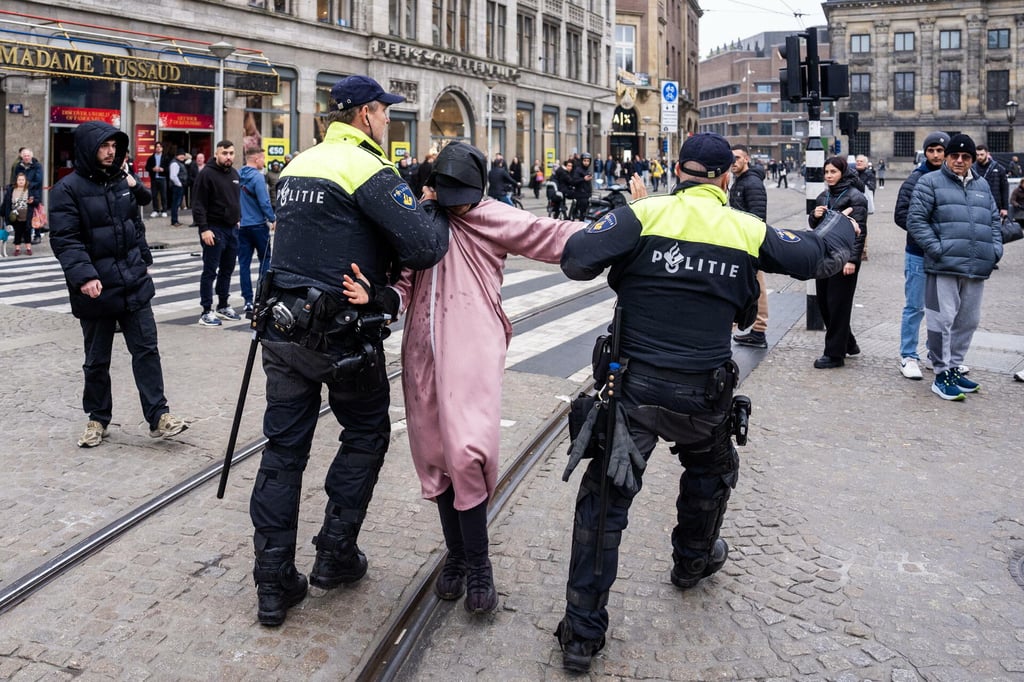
column 710, row 473
column 295, row 376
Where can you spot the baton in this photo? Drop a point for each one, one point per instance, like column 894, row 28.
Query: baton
column 611, row 400
column 257, row 315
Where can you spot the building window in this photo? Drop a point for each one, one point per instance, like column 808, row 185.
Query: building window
column 903, row 144
column 860, row 91
column 997, row 91
column 903, row 91
column 282, row 6
column 625, row 47
column 998, row 141
column 402, row 18
column 904, row 42
column 496, row 31
column 524, row 40
column 949, row 40
column 764, row 129
column 593, row 60
column 860, row 42
column 551, row 48
column 450, row 24
column 334, row 12
column 949, row 89
column 999, row 38
column 573, row 55
column 764, row 107
column 786, row 128
column 860, row 143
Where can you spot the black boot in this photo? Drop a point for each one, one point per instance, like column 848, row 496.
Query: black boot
column 577, row 653
column 481, row 597
column 279, row 585
column 338, row 559
column 451, row 583
column 687, row 575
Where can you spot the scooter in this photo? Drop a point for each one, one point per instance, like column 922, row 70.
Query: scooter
column 613, row 198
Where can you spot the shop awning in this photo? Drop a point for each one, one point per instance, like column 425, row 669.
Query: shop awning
column 60, row 48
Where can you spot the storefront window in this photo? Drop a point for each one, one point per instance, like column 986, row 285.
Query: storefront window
column 270, row 116
column 524, row 132
column 549, row 135
column 401, row 135
column 573, row 139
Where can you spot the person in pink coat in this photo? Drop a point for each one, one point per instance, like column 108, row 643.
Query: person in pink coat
column 453, row 356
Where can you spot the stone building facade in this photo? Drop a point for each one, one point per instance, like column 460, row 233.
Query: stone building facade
column 545, row 67
column 924, row 65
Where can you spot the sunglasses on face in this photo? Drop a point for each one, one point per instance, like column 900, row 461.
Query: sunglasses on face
column 963, row 156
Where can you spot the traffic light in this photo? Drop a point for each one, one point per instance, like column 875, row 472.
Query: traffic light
column 848, row 122
column 835, row 81
column 839, row 146
column 792, row 83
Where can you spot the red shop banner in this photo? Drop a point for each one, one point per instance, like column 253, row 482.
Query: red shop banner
column 76, row 115
column 145, row 143
column 170, row 119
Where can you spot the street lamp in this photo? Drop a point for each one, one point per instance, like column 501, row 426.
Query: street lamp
column 489, row 83
column 746, row 79
column 1011, row 116
column 221, row 51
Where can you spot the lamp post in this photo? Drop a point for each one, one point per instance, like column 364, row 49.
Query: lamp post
column 746, row 79
column 490, row 83
column 647, row 122
column 1011, row 116
column 221, row 51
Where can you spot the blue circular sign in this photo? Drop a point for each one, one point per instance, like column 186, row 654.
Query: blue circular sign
column 669, row 91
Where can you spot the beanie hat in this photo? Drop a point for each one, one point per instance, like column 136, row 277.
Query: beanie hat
column 938, row 138
column 961, row 143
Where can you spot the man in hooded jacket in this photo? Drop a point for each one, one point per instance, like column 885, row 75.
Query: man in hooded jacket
column 100, row 241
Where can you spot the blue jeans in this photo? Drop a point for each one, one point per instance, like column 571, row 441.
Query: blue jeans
column 218, row 265
column 913, row 310
column 176, row 194
column 252, row 238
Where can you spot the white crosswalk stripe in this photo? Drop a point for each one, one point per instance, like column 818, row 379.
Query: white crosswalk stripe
column 38, row 283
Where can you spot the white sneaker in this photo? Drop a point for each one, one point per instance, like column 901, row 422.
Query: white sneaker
column 164, row 214
column 910, row 369
column 964, row 369
column 154, row 214
column 1019, row 376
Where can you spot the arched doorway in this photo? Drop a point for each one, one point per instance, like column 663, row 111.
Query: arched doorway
column 449, row 121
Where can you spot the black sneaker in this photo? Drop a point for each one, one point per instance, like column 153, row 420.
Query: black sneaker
column 828, row 362
column 451, row 582
column 577, row 654
column 752, row 338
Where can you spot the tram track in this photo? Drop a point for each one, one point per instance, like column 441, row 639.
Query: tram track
column 21, row 588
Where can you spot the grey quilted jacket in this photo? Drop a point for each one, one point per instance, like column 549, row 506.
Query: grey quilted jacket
column 955, row 224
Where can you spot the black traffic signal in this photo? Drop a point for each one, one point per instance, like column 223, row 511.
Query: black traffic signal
column 792, row 83
column 835, row 81
column 848, row 122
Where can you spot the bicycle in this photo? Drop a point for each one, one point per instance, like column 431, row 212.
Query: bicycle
column 514, row 200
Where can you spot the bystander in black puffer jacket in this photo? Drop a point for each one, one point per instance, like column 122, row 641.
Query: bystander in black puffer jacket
column 96, row 231
column 748, row 194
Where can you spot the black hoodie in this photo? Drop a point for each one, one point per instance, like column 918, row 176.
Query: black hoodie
column 95, row 229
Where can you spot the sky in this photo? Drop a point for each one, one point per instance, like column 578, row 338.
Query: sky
column 727, row 20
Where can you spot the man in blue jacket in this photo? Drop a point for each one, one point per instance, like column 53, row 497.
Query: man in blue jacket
column 257, row 219
column 954, row 219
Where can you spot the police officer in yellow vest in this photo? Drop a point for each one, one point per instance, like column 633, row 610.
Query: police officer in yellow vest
column 341, row 202
column 684, row 268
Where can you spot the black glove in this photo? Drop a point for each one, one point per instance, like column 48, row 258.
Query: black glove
column 624, row 455
column 581, row 443
column 388, row 300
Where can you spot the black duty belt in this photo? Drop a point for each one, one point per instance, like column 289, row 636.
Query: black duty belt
column 697, row 378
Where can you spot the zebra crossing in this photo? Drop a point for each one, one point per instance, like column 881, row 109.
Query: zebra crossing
column 557, row 342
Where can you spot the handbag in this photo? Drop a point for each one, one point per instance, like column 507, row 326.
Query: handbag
column 12, row 217
column 1012, row 230
column 39, row 221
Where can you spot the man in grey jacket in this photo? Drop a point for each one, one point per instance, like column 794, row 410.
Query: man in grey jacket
column 954, row 219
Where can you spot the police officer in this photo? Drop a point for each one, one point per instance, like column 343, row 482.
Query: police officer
column 683, row 266
column 340, row 202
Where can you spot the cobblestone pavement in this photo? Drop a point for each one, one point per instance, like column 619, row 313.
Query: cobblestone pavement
column 873, row 530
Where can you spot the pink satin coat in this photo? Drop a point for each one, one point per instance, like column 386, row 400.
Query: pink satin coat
column 454, row 345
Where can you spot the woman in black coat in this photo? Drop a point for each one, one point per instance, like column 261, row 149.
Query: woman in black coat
column 835, row 294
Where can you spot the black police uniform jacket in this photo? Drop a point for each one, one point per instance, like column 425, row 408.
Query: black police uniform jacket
column 96, row 231
column 684, row 267
column 344, row 202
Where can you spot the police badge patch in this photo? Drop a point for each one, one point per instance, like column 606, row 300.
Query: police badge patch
column 786, row 235
column 404, row 197
column 603, row 225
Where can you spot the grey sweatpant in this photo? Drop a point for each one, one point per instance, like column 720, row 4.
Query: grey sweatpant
column 952, row 310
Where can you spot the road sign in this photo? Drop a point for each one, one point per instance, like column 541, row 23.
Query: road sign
column 670, row 91
column 669, row 104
